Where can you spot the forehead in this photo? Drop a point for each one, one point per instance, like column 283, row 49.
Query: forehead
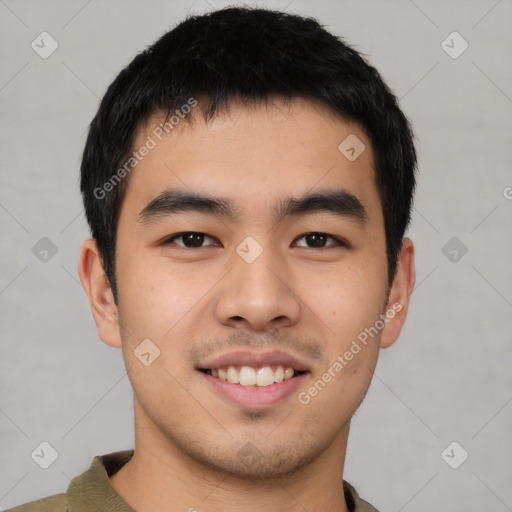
column 253, row 154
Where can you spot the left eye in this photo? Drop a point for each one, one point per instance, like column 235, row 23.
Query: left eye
column 194, row 240
column 318, row 240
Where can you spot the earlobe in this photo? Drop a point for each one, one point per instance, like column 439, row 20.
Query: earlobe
column 97, row 288
column 400, row 294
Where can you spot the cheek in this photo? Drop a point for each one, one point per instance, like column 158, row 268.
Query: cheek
column 347, row 299
column 158, row 296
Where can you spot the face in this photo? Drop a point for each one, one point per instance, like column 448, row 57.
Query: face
column 265, row 285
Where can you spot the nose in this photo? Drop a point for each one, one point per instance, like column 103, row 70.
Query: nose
column 258, row 295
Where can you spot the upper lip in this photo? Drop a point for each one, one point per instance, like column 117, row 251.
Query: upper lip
column 255, row 360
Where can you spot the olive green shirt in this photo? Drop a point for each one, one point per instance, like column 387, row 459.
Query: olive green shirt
column 91, row 491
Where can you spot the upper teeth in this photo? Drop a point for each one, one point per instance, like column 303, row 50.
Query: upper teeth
column 248, row 376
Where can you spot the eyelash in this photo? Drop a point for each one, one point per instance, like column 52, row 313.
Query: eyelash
column 339, row 242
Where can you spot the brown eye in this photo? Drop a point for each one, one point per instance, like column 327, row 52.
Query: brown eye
column 318, row 240
column 190, row 239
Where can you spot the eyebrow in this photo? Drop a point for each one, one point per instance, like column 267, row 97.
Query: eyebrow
column 338, row 202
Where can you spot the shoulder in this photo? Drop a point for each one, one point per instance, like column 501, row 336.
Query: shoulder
column 54, row 503
column 354, row 501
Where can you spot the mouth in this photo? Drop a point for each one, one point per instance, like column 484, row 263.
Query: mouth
column 248, row 376
column 254, row 380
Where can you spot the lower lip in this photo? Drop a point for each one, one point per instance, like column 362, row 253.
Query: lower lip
column 254, row 396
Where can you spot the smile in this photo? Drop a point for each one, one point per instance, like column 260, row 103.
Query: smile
column 248, row 376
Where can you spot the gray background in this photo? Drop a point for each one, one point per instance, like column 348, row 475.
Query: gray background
column 448, row 377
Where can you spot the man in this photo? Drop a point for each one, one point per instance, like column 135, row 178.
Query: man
column 248, row 181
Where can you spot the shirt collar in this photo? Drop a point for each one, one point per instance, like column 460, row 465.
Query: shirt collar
column 91, row 490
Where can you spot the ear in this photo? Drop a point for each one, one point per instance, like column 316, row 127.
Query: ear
column 96, row 285
column 399, row 294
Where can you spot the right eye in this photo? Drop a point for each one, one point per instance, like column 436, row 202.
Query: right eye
column 190, row 239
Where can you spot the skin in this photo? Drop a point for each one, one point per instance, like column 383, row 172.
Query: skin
column 294, row 296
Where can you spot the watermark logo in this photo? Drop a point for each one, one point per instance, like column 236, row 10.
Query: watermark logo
column 44, row 455
column 146, row 352
column 44, row 45
column 454, row 45
column 454, row 249
column 249, row 454
column 454, row 455
column 249, row 249
column 351, row 147
column 44, row 250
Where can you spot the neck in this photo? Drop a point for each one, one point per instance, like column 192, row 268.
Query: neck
column 161, row 477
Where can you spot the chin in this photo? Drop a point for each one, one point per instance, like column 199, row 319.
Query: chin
column 262, row 462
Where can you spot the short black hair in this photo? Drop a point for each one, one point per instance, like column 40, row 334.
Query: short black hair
column 249, row 54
